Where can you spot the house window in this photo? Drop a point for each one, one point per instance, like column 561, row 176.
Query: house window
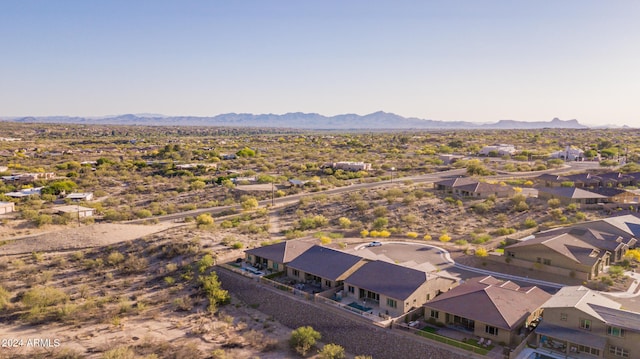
column 538, row 260
column 351, row 289
column 511, row 254
column 490, row 330
column 619, row 352
column 434, row 314
column 392, row 303
column 275, row 266
column 588, row 350
column 249, row 258
column 615, row 332
column 585, row 324
column 563, row 316
column 296, row 273
column 327, row 283
column 546, row 261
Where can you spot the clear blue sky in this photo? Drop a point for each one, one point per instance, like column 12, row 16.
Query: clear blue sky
column 473, row 60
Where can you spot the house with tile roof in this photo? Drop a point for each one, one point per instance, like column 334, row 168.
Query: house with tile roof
column 394, row 288
column 568, row 195
column 567, row 253
column 489, row 308
column 579, row 322
column 275, row 257
column 325, row 267
column 449, row 184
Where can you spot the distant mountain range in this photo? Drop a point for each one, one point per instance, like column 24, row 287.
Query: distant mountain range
column 298, row 120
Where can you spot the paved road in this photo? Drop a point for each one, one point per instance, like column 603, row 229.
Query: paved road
column 426, row 178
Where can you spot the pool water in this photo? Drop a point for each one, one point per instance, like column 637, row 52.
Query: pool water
column 358, row 306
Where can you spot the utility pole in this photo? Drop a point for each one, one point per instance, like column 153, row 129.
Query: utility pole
column 272, row 194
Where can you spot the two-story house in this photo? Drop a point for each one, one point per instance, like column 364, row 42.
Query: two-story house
column 579, row 322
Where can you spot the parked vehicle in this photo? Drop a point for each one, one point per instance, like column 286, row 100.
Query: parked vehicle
column 374, row 244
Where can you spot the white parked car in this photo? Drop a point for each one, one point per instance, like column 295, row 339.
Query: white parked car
column 374, row 244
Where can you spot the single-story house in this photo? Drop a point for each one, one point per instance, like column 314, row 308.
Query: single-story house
column 324, row 267
column 550, row 180
column 568, row 195
column 489, row 308
column 275, row 257
column 449, row 184
column 75, row 211
column 617, row 179
column 616, row 244
column 7, row 207
column 569, row 154
column 394, row 288
column 80, row 196
column 625, row 225
column 351, row 166
column 616, row 195
column 24, row 192
column 582, row 323
column 498, row 150
column 570, row 254
column 484, row 190
column 583, row 180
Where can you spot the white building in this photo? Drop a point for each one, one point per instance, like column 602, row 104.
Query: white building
column 501, row 149
column 7, row 207
column 569, row 154
column 352, row 166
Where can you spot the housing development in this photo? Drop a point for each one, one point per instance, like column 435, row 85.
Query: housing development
column 222, row 242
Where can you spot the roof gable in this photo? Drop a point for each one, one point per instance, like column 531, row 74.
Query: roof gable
column 388, row 279
column 325, row 262
column 494, row 302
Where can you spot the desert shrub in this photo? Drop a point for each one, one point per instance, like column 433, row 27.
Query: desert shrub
column 204, row 220
column 481, row 252
column 325, row 240
column 384, row 234
column 344, row 222
column 303, row 339
column 115, row 258
column 529, row 223
column 427, row 237
column 143, row 213
column 44, row 297
column 444, row 238
column 4, row 298
column 134, row 264
column 461, row 242
column 503, row 231
column 331, row 351
column 214, row 292
column 380, row 222
column 364, row 233
column 412, row 235
column 119, row 353
column 553, row 203
column 206, row 262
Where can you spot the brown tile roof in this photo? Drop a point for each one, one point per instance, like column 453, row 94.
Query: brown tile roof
column 570, row 192
column 501, row 304
column 325, row 262
column 388, row 279
column 283, row 252
column 569, row 245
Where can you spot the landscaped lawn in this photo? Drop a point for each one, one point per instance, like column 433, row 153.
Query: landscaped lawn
column 470, row 345
column 429, row 329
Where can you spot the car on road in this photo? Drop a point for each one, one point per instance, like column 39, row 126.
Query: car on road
column 374, row 244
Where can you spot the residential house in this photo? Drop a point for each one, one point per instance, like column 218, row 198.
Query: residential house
column 275, row 257
column 394, row 288
column 484, row 190
column 625, row 225
column 75, row 211
column 449, row 184
column 322, row 266
column 498, row 150
column 489, row 308
column 26, row 192
column 567, row 253
column 585, row 180
column 616, row 195
column 582, row 323
column 617, row 179
column 568, row 195
column 351, row 166
column 550, row 180
column 569, row 154
column 7, row 207
column 80, row 196
column 616, row 244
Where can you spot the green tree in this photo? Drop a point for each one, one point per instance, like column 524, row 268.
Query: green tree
column 58, row 187
column 303, row 339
